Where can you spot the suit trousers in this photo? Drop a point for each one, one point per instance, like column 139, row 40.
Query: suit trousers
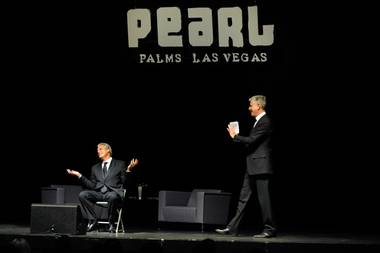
column 261, row 183
column 88, row 199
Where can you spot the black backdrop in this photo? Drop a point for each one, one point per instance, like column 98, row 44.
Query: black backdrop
column 70, row 85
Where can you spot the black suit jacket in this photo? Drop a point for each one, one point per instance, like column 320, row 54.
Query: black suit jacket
column 114, row 180
column 258, row 143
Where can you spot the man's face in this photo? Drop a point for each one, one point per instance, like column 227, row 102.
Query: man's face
column 102, row 152
column 254, row 108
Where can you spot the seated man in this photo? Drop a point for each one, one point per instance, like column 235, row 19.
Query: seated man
column 107, row 180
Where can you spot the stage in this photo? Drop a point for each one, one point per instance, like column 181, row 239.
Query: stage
column 169, row 240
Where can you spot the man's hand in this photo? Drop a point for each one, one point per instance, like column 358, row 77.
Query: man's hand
column 132, row 164
column 231, row 131
column 74, row 173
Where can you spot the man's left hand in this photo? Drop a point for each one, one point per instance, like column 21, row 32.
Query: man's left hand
column 132, row 164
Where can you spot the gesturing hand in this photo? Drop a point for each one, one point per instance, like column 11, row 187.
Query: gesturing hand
column 132, row 164
column 231, row 131
column 73, row 172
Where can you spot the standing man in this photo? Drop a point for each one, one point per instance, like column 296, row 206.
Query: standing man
column 259, row 169
column 106, row 184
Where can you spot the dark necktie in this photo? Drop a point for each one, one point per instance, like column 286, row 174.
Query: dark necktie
column 104, row 188
column 105, row 169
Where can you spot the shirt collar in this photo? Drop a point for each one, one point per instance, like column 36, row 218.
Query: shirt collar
column 260, row 116
column 108, row 161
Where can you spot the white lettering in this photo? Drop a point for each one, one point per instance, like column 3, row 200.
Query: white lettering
column 160, row 58
column 267, row 38
column 200, row 27
column 200, row 32
column 139, row 25
column 213, row 57
column 245, row 57
column 230, row 24
column 168, row 23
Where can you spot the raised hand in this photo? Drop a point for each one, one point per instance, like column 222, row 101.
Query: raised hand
column 132, row 164
column 73, row 172
column 232, row 131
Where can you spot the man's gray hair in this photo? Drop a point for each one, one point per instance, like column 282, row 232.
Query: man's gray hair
column 107, row 146
column 259, row 99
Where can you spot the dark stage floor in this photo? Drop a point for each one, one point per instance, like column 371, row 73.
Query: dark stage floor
column 147, row 240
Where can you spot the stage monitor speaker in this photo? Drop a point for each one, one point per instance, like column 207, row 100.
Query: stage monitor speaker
column 49, row 218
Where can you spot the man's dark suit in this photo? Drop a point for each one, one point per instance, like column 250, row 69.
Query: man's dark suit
column 114, row 181
column 259, row 170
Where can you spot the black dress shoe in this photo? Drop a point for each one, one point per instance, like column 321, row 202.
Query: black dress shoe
column 112, row 228
column 225, row 231
column 91, row 226
column 264, row 235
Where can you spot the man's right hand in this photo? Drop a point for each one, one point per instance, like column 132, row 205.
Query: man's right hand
column 231, row 131
column 74, row 173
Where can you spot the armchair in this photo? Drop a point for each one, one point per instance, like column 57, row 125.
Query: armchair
column 203, row 206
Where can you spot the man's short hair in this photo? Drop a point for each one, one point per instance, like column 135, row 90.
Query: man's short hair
column 107, row 146
column 259, row 99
